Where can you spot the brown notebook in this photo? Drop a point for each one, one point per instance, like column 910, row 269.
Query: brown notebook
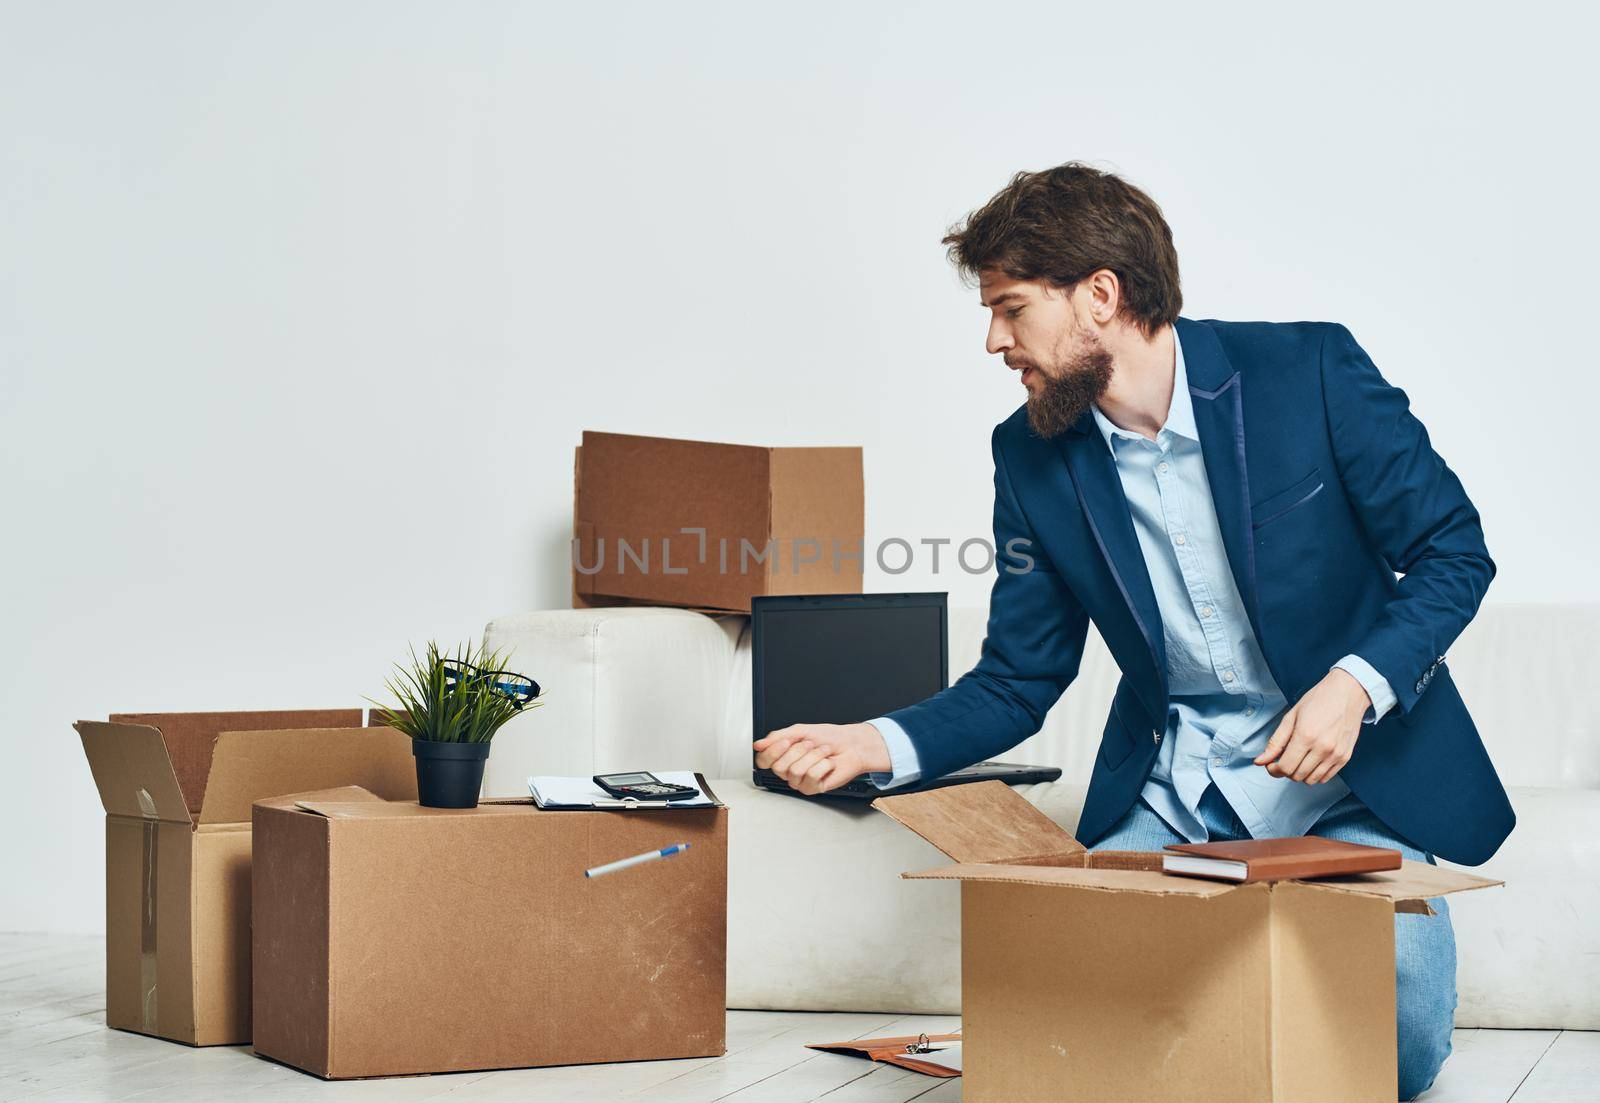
column 929, row 1054
column 1276, row 859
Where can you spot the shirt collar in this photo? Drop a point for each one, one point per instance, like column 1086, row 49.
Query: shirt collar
column 1180, row 413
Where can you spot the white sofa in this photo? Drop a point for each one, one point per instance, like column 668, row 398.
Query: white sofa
column 818, row 918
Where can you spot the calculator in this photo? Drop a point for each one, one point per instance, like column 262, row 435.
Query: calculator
column 643, row 786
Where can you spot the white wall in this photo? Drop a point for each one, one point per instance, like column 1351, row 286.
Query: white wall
column 303, row 306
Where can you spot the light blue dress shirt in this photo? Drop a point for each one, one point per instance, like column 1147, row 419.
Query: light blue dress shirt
column 1223, row 702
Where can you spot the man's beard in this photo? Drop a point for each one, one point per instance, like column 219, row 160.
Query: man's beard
column 1065, row 394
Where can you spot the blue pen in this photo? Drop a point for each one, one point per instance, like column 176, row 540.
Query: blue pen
column 637, row 859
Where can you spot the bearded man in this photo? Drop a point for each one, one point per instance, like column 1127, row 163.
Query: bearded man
column 1265, row 539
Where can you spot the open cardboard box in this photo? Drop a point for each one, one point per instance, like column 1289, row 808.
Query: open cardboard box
column 394, row 939
column 1096, row 976
column 177, row 790
column 760, row 520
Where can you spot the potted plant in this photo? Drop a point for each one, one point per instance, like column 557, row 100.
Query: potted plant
column 451, row 706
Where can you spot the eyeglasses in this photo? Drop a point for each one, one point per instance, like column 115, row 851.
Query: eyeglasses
column 519, row 689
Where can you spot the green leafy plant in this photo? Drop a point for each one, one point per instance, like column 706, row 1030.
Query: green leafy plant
column 457, row 698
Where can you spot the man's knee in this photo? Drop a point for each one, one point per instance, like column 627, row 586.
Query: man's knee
column 1425, row 996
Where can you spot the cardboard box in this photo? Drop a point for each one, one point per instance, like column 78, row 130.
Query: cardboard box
column 394, row 939
column 1096, row 976
column 177, row 790
column 709, row 526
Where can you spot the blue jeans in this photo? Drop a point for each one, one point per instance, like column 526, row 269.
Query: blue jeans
column 1424, row 945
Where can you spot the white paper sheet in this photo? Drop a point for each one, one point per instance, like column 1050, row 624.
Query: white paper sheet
column 947, row 1055
column 582, row 792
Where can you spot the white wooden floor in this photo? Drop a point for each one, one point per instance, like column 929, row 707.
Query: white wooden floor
column 54, row 1046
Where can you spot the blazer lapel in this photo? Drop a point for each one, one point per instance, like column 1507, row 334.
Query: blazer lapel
column 1216, row 389
column 1099, row 492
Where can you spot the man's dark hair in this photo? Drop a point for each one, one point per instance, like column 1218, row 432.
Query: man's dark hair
column 1062, row 224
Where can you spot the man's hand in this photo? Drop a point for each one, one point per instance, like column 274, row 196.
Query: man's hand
column 1316, row 738
column 815, row 758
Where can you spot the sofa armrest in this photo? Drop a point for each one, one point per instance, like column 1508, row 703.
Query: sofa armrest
column 626, row 688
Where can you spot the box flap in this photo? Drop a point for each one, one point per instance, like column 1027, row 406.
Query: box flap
column 1408, row 887
column 250, row 765
column 345, row 809
column 343, row 793
column 983, row 822
column 132, row 771
column 1147, row 882
column 1412, row 883
column 191, row 736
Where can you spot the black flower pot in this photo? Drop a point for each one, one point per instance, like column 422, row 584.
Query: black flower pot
column 449, row 775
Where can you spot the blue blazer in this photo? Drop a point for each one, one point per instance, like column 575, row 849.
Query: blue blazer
column 1325, row 486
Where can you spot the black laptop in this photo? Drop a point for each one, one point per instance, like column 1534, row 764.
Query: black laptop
column 846, row 658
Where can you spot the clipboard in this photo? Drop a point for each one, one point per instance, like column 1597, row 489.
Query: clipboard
column 575, row 794
column 904, row 1052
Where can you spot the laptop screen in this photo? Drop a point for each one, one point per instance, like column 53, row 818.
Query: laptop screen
column 842, row 659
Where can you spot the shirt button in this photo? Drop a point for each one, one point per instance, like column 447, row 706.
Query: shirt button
column 1227, row 676
column 1161, row 467
column 1215, row 761
column 1180, row 539
column 1250, row 711
column 1206, row 610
